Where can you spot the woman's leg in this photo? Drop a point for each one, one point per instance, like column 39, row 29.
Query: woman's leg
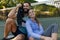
column 55, row 31
column 19, row 37
column 51, row 31
column 54, row 36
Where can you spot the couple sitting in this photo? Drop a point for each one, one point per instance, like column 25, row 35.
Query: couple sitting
column 33, row 28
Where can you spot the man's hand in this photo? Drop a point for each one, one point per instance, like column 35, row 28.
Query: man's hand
column 12, row 14
column 19, row 5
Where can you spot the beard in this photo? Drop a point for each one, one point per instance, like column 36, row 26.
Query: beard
column 26, row 10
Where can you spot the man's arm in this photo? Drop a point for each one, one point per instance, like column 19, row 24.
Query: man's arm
column 13, row 12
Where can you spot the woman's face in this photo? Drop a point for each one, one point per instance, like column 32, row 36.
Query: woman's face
column 31, row 13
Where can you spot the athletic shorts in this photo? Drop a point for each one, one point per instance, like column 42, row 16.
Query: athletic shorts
column 18, row 32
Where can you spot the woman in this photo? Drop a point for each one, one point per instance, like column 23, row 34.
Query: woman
column 35, row 29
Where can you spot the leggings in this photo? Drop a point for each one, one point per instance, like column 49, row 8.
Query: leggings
column 53, row 28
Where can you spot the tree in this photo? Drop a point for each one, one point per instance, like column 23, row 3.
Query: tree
column 47, row 10
column 10, row 3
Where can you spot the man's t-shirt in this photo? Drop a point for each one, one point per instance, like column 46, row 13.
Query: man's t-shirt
column 23, row 27
column 21, row 17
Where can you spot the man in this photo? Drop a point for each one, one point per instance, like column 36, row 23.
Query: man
column 10, row 25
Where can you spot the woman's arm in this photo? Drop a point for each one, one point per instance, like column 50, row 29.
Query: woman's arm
column 41, row 29
column 41, row 32
column 30, row 31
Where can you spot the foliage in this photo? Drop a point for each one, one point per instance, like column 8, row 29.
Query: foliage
column 46, row 10
column 11, row 3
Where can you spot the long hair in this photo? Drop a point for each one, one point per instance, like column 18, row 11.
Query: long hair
column 36, row 19
column 38, row 22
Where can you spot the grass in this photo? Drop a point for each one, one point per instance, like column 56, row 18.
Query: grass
column 45, row 23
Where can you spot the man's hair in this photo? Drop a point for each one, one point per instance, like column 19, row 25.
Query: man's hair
column 28, row 3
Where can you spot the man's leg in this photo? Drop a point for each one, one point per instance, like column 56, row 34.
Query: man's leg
column 19, row 37
column 10, row 26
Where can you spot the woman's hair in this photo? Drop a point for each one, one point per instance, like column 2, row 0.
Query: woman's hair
column 37, row 21
column 35, row 18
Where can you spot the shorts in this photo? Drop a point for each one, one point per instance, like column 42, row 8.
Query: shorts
column 18, row 32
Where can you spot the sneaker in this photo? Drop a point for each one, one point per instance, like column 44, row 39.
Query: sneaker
column 5, row 39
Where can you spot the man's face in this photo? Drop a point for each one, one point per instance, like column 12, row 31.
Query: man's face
column 26, row 6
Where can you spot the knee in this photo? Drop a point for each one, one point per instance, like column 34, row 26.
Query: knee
column 55, row 25
column 55, row 28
